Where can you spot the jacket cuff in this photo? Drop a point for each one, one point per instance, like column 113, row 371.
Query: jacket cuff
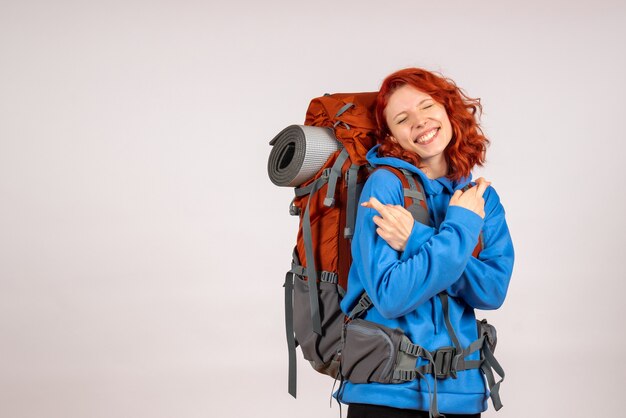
column 420, row 234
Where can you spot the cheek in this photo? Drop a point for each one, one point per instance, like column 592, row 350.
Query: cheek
column 396, row 132
column 445, row 121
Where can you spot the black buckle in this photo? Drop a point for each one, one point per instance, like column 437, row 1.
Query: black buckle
column 293, row 209
column 444, row 357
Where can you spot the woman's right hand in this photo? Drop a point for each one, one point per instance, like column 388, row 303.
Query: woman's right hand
column 394, row 223
column 472, row 198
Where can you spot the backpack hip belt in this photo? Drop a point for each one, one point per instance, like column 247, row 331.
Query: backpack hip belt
column 370, row 352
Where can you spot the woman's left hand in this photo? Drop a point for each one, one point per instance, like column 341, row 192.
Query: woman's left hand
column 394, row 223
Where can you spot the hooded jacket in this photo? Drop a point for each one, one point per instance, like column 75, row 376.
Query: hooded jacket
column 403, row 286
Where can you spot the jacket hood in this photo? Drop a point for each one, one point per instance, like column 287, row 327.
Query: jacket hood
column 431, row 186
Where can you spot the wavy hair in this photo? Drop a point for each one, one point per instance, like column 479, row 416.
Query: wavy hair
column 468, row 145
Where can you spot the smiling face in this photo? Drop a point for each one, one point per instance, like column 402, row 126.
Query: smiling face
column 420, row 124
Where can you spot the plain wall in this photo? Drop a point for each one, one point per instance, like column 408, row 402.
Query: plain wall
column 143, row 247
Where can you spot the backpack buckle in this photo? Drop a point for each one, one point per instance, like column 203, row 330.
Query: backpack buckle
column 445, row 362
column 294, row 210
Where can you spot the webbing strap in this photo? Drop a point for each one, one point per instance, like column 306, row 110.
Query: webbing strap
column 408, row 375
column 433, row 411
column 475, row 346
column 329, row 277
column 420, row 214
column 443, row 296
column 428, row 368
column 364, row 304
column 444, row 365
column 323, row 276
column 339, row 113
column 351, row 177
column 298, row 269
column 411, row 349
column 343, row 109
column 447, row 361
column 490, row 363
column 304, row 190
column 440, row 367
column 310, row 256
column 291, row 341
column 458, row 361
column 413, row 194
column 335, row 173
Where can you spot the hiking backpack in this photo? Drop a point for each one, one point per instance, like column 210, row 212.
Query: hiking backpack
column 326, row 204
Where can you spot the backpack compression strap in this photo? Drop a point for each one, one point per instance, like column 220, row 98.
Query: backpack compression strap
column 291, row 340
column 292, row 343
column 330, row 176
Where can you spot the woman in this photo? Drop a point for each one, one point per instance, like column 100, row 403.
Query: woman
column 427, row 126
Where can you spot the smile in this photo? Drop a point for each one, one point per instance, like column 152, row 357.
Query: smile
column 426, row 138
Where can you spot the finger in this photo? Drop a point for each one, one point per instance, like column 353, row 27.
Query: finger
column 379, row 207
column 378, row 220
column 384, row 223
column 482, row 185
column 399, row 212
column 383, row 234
column 372, row 203
column 386, row 237
column 367, row 203
column 455, row 196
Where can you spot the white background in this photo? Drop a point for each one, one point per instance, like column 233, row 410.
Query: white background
column 143, row 247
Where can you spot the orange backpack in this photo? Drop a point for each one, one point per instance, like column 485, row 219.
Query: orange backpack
column 332, row 210
column 326, row 204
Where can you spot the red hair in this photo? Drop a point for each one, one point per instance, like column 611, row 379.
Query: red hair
column 468, row 145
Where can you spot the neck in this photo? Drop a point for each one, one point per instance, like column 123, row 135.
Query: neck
column 434, row 169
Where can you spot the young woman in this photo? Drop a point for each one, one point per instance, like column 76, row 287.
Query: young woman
column 427, row 126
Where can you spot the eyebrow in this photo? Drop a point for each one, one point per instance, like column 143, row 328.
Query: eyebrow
column 419, row 104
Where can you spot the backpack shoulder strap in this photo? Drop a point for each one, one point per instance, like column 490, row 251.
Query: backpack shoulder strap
column 414, row 200
column 480, row 245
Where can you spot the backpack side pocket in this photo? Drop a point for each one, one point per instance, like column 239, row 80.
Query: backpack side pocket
column 319, row 351
column 370, row 352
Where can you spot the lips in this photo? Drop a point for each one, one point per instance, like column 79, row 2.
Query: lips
column 426, row 137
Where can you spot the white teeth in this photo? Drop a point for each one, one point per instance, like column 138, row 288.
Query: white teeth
column 427, row 137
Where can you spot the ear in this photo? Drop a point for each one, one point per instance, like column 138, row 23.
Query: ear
column 392, row 138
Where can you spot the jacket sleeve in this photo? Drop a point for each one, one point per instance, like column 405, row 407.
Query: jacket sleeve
column 399, row 282
column 484, row 283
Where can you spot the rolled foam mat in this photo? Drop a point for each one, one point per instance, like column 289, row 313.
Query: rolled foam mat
column 298, row 152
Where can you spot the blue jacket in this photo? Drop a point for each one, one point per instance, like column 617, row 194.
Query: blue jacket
column 403, row 286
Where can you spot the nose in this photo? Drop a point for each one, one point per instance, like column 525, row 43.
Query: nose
column 420, row 120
